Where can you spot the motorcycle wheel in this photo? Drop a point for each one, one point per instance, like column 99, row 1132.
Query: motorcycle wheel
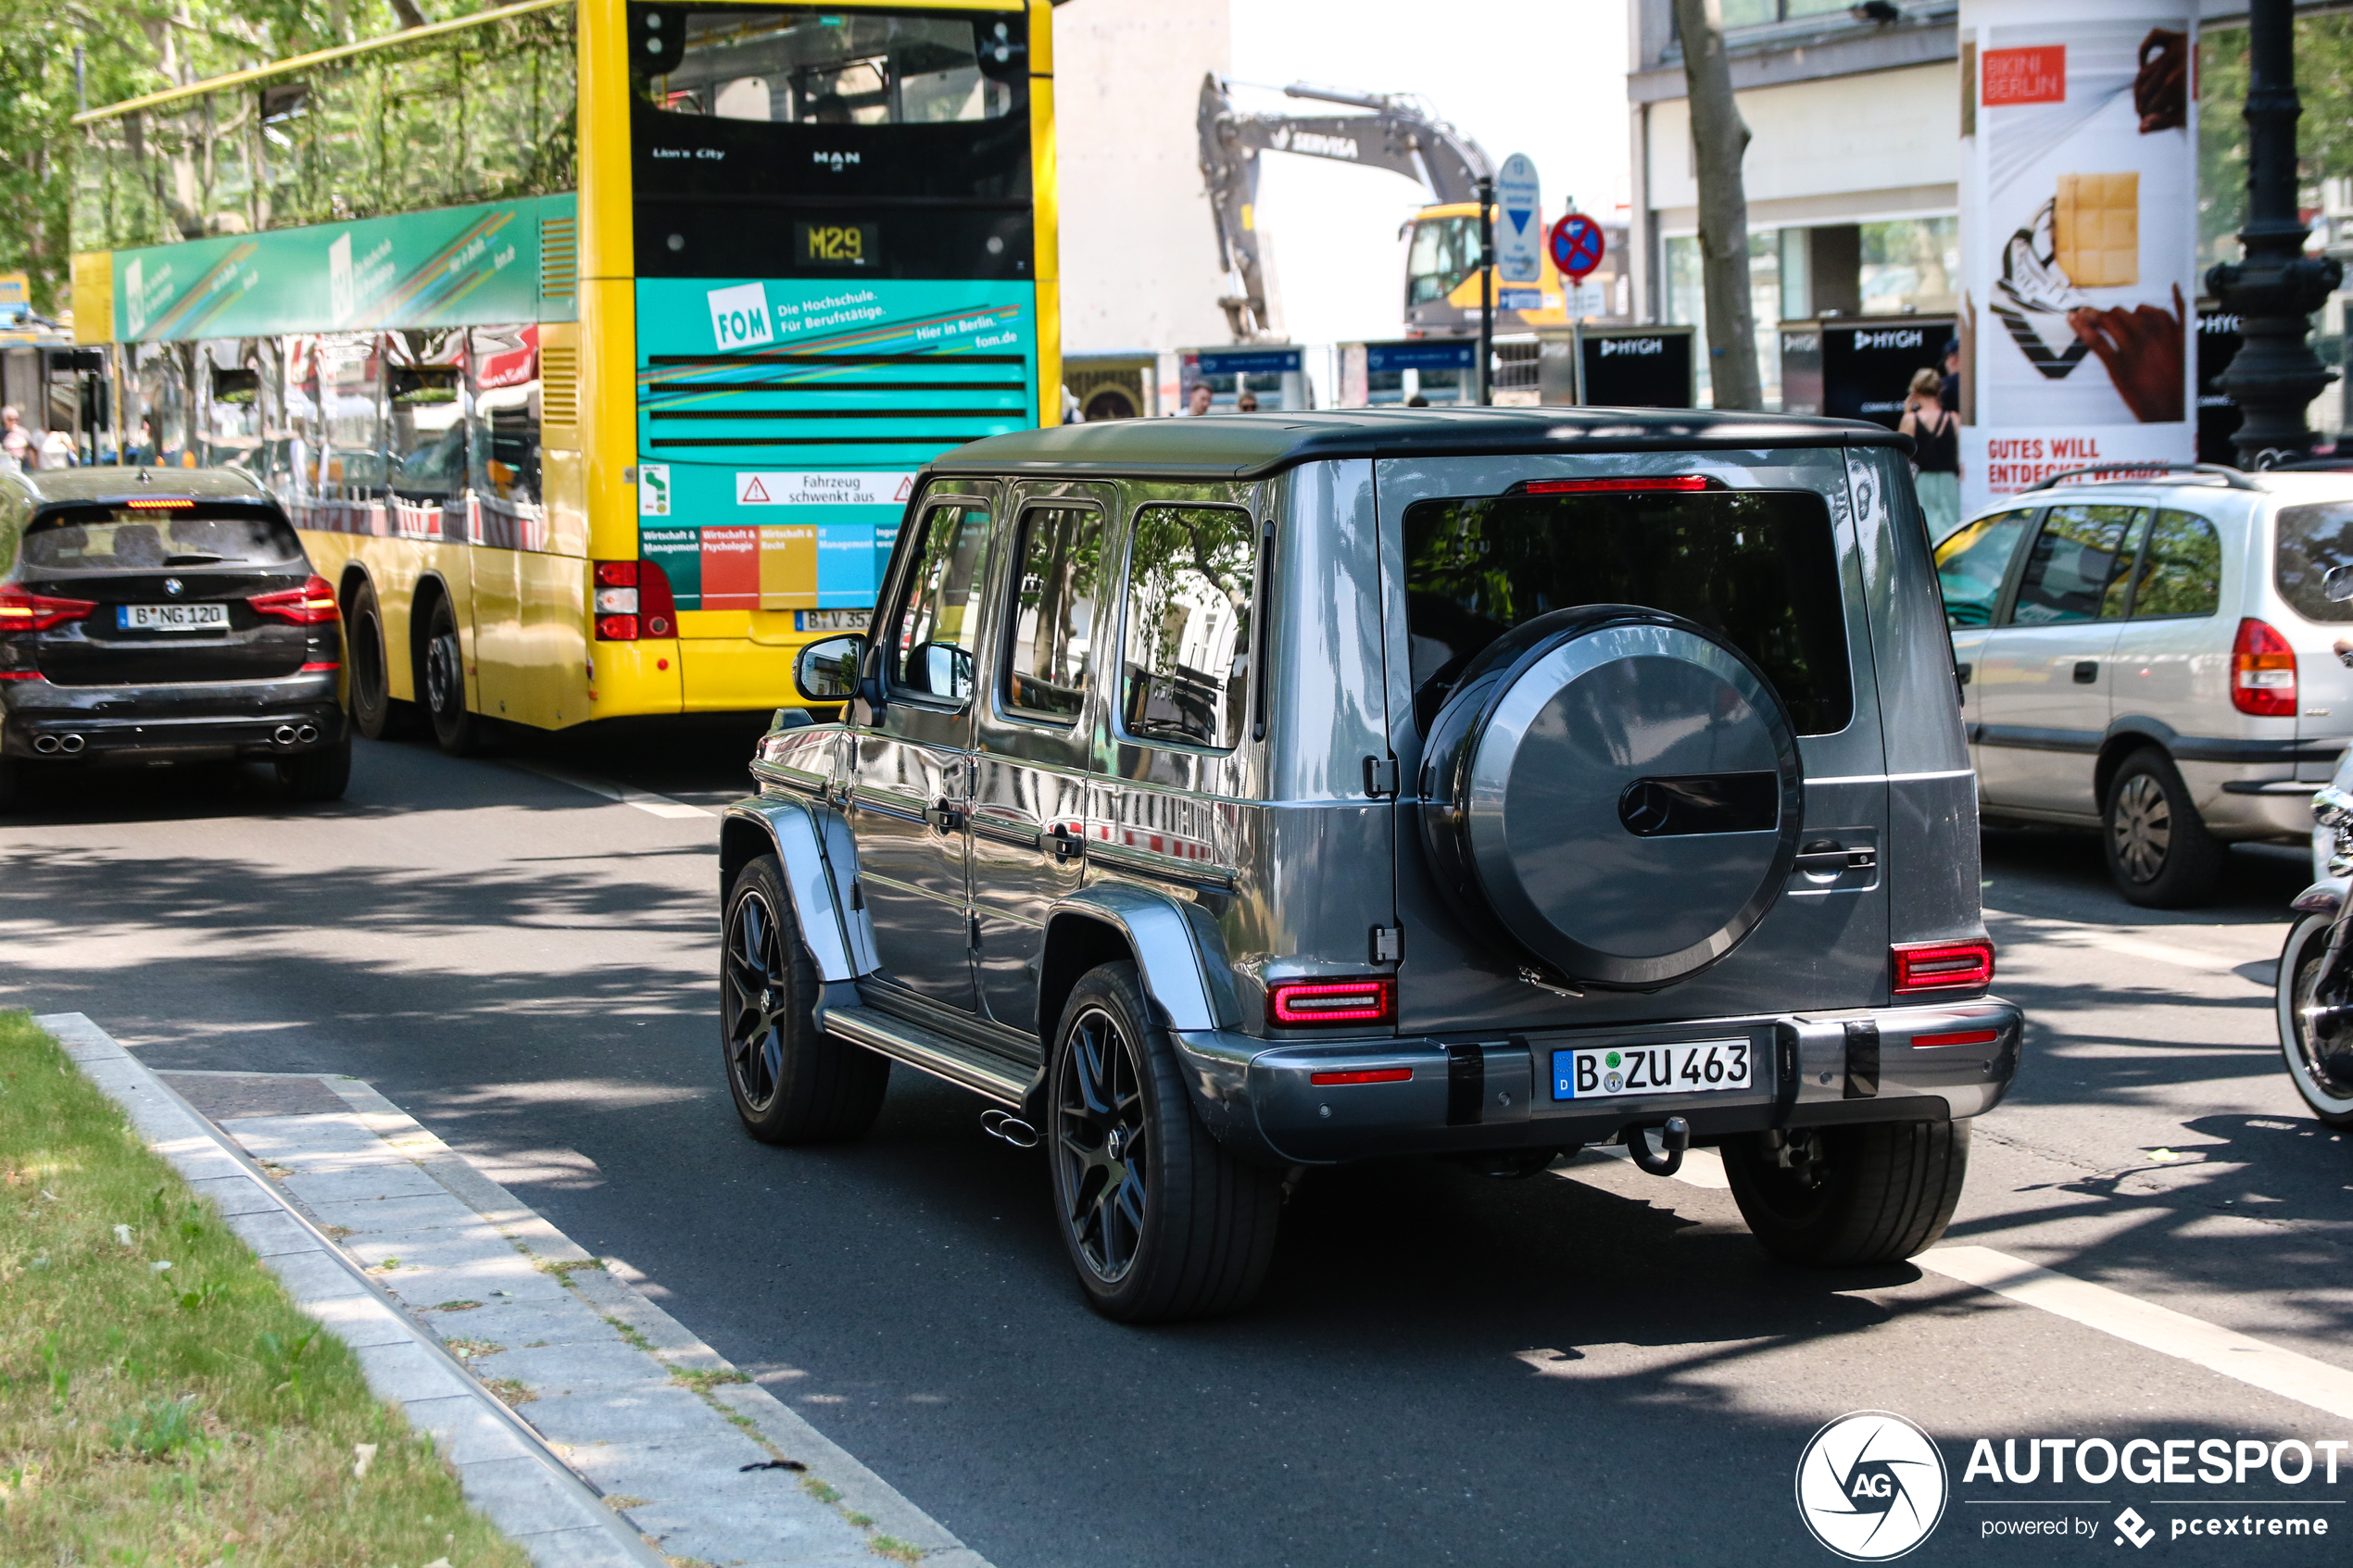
column 2323, row 1078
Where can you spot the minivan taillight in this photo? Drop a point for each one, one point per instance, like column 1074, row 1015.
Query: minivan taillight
column 1922, row 967
column 313, row 604
column 2262, row 672
column 22, row 610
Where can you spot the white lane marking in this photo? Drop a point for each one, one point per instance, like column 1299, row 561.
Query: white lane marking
column 654, row 805
column 2068, row 934
column 1702, row 1167
column 2219, row 1349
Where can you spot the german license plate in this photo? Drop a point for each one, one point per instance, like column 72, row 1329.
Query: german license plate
column 1683, row 1068
column 831, row 619
column 173, row 618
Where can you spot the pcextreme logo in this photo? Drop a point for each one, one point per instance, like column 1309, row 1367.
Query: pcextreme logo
column 1871, row 1486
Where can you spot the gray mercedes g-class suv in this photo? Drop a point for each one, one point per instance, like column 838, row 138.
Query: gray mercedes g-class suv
column 1220, row 797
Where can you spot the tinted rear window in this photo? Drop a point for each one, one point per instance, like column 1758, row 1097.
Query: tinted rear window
column 1759, row 568
column 2312, row 540
column 119, row 539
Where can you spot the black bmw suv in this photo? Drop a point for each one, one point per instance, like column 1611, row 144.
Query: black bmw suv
column 164, row 614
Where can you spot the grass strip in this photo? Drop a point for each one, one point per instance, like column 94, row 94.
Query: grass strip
column 181, row 1414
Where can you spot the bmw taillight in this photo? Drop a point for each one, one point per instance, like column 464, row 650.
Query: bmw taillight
column 22, row 610
column 633, row 600
column 313, row 604
column 1923, row 967
column 2262, row 672
column 1307, row 1004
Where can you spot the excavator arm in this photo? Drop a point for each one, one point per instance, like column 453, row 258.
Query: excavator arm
column 1396, row 135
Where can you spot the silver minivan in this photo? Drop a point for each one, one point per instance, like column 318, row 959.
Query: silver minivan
column 2152, row 658
column 1220, row 798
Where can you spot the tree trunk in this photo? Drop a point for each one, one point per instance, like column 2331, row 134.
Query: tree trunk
column 1719, row 139
column 408, row 13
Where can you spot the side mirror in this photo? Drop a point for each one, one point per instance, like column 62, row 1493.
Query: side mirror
column 941, row 670
column 828, row 672
column 2338, row 586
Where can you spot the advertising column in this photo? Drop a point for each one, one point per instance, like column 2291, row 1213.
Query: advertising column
column 2079, row 237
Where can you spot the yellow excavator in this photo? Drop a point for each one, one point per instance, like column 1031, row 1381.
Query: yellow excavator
column 1401, row 135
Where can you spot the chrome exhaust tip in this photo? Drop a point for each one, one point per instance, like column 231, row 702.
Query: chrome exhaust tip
column 1013, row 1129
column 307, row 733
column 46, row 744
column 70, row 745
column 283, row 735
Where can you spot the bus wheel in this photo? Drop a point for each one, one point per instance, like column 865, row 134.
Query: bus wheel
column 373, row 712
column 458, row 730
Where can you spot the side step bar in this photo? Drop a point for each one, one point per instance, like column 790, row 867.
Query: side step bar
column 969, row 1066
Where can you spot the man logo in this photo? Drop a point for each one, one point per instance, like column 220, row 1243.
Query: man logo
column 1871, row 1486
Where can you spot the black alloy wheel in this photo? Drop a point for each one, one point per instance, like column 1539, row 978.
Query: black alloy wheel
column 791, row 1083
column 2321, row 1069
column 2159, row 853
column 1102, row 1144
column 1161, row 1221
column 373, row 712
column 455, row 729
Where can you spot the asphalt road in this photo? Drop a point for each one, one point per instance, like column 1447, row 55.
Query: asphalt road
column 1589, row 1364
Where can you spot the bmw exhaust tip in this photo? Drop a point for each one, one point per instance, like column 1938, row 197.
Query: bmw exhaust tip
column 307, row 733
column 46, row 744
column 70, row 745
column 283, row 735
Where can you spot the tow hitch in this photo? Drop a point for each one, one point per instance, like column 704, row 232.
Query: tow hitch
column 1674, row 1137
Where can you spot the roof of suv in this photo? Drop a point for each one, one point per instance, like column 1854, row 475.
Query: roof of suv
column 1254, row 445
column 67, row 486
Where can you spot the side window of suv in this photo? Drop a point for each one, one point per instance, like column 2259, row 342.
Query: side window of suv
column 1190, row 575
column 2182, row 570
column 2078, row 566
column 937, row 627
column 1051, row 642
column 1971, row 563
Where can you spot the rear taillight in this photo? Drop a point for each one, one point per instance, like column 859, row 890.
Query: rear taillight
column 633, row 601
column 21, row 610
column 1942, row 966
column 1301, row 1004
column 2262, row 672
column 313, row 604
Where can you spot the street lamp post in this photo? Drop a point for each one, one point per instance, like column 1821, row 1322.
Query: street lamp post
column 2276, row 289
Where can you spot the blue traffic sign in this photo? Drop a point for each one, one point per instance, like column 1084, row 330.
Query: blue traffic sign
column 1576, row 246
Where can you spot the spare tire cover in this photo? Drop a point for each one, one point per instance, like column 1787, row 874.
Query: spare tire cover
column 1619, row 789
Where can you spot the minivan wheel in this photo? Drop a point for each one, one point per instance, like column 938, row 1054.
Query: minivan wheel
column 1160, row 1220
column 1878, row 1192
column 323, row 774
column 2323, row 1076
column 373, row 712
column 2158, row 852
column 455, row 729
column 792, row 1083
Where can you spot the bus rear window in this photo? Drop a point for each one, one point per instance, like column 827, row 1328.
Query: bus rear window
column 121, row 539
column 845, row 68
column 1758, row 567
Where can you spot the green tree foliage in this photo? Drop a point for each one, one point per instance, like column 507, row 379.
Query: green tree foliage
column 2323, row 137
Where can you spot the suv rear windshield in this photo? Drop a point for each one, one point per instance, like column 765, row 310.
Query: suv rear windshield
column 2312, row 540
column 1758, row 567
column 123, row 539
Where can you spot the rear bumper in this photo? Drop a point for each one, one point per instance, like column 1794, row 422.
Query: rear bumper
column 1474, row 1095
column 41, row 722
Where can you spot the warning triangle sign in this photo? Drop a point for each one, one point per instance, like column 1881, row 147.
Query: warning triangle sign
column 906, row 487
column 754, row 493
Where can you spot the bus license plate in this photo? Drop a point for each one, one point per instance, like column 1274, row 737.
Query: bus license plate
column 1685, row 1068
column 831, row 619
column 173, row 618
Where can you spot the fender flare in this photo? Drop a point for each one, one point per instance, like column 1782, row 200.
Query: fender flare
column 814, row 847
column 2321, row 898
column 1176, row 947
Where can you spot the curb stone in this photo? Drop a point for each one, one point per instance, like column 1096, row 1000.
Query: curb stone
column 505, row 1470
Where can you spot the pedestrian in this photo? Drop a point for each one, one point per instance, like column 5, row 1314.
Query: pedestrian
column 1247, row 403
column 1936, row 452
column 57, row 451
column 1197, row 400
column 1948, row 386
column 16, row 442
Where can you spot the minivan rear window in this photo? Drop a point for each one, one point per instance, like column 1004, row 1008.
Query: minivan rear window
column 124, row 539
column 1758, row 567
column 2312, row 540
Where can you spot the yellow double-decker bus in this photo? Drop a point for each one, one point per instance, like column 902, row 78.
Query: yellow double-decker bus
column 592, row 344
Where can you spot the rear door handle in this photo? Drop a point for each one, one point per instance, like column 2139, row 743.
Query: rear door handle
column 943, row 817
column 2086, row 671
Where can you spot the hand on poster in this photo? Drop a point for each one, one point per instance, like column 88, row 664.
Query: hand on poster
column 2161, row 90
column 2142, row 348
